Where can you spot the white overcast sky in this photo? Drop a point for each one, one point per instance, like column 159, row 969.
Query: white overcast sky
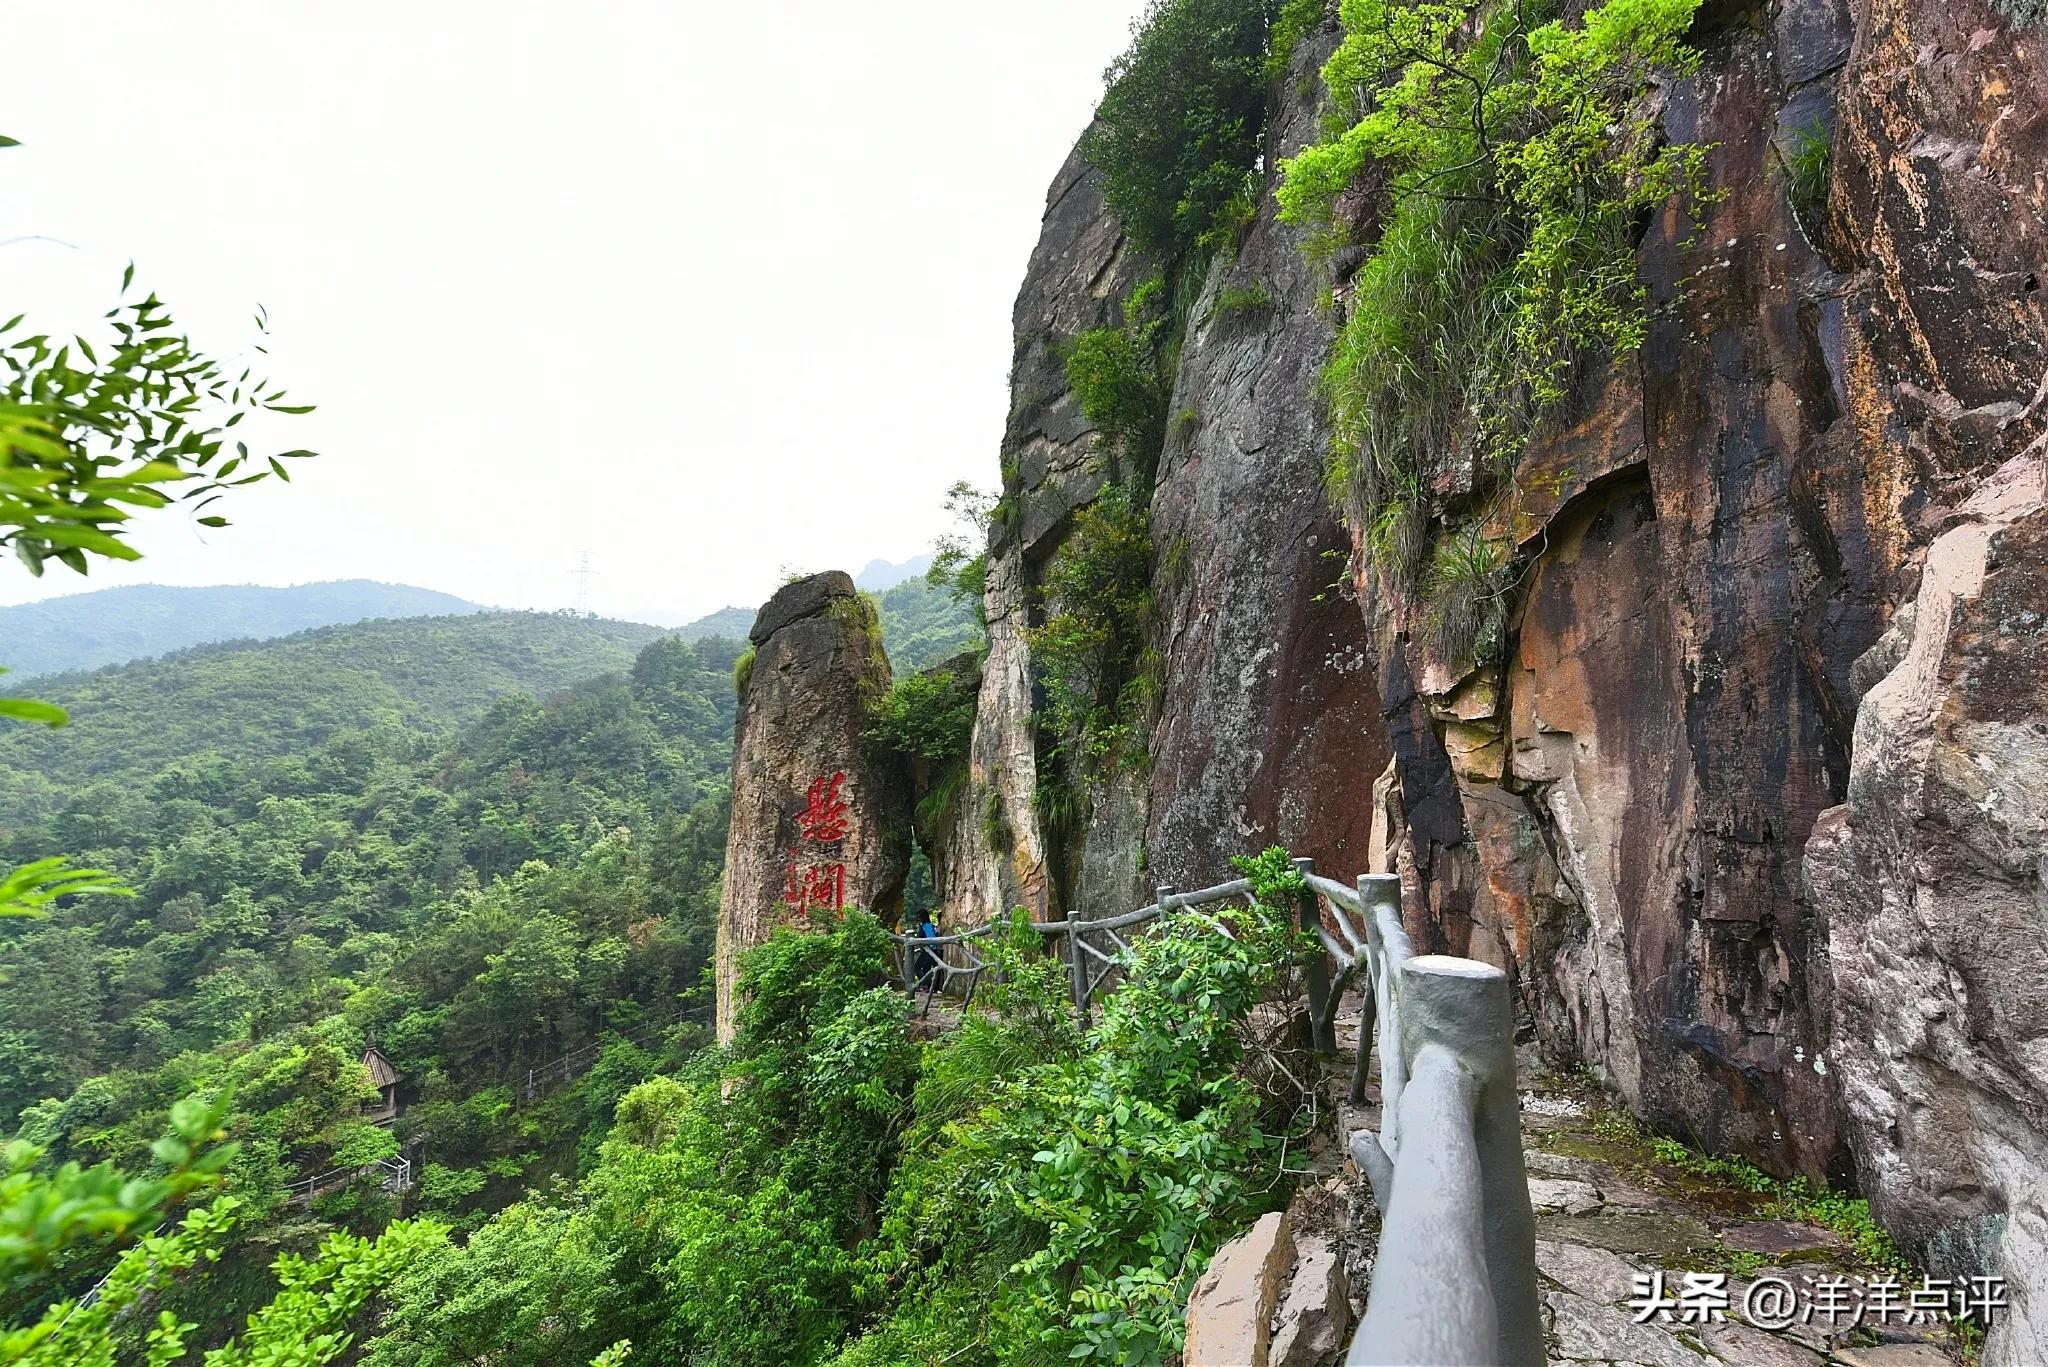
column 707, row 291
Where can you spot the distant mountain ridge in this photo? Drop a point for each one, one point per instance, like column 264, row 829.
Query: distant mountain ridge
column 113, row 626
column 254, row 700
column 731, row 623
column 883, row 574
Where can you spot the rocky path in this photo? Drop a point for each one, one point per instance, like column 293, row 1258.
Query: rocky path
column 1610, row 1214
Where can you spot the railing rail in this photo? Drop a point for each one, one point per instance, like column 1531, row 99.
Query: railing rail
column 546, row 1076
column 1455, row 1279
column 397, row 1178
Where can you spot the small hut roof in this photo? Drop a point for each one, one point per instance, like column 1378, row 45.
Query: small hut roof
column 381, row 1071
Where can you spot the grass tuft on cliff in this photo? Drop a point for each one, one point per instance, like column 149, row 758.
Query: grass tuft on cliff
column 1516, row 158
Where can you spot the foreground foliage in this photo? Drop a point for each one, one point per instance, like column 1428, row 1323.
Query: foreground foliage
column 829, row 1189
column 478, row 901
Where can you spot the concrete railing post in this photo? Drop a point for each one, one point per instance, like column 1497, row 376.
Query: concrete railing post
column 1077, row 968
column 1379, row 904
column 1458, row 1250
column 1322, row 1032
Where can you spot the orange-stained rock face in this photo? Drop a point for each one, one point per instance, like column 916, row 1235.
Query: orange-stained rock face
column 1718, row 530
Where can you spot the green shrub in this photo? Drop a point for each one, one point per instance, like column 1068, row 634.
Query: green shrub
column 1234, row 300
column 1398, row 534
column 928, row 716
column 1466, row 594
column 1293, row 25
column 995, row 827
column 828, row 1189
column 1085, row 1183
column 960, row 560
column 1808, row 161
column 935, row 809
column 1097, row 594
column 1122, row 376
column 1233, row 219
column 1181, row 118
column 1115, row 378
column 743, row 669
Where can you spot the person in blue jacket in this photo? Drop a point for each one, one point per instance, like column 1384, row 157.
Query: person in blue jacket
column 928, row 958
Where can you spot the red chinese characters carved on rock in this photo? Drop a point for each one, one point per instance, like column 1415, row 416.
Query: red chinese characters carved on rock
column 815, row 886
column 824, row 821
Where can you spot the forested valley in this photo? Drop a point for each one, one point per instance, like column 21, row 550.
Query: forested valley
column 487, row 845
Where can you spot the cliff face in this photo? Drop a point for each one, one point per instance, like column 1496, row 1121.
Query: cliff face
column 1051, row 466
column 1269, row 728
column 1268, row 708
column 1734, row 858
column 819, row 822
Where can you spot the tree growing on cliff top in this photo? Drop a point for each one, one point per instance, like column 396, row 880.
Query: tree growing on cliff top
column 1180, row 120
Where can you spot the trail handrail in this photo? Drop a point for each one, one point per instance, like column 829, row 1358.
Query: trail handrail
column 1455, row 1278
column 546, row 1076
column 397, row 1178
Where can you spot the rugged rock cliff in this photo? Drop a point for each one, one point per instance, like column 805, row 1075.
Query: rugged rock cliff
column 819, row 821
column 1787, row 903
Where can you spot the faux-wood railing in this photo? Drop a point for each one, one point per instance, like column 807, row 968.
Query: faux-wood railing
column 1455, row 1277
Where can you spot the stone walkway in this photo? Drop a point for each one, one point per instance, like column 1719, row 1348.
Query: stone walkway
column 1608, row 1211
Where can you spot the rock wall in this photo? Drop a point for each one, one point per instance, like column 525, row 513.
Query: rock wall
column 819, row 823
column 1930, row 881
column 1712, row 536
column 1269, row 728
column 1735, row 886
column 1080, row 271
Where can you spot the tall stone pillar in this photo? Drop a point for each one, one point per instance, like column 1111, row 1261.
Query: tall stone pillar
column 818, row 823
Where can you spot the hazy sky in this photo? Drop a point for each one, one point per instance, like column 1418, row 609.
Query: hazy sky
column 705, row 291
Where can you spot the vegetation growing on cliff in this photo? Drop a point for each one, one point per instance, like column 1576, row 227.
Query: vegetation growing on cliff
column 830, row 1190
column 1122, row 377
column 1517, row 157
column 1180, row 120
column 1809, row 157
column 1296, row 20
column 1090, row 648
column 1178, row 140
column 927, row 716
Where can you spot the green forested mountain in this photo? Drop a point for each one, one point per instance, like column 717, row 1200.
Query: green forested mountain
column 249, row 701
column 112, row 626
column 924, row 625
column 732, row 623
column 344, row 837
column 482, row 842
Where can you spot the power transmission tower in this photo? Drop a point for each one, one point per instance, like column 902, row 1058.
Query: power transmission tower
column 583, row 575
